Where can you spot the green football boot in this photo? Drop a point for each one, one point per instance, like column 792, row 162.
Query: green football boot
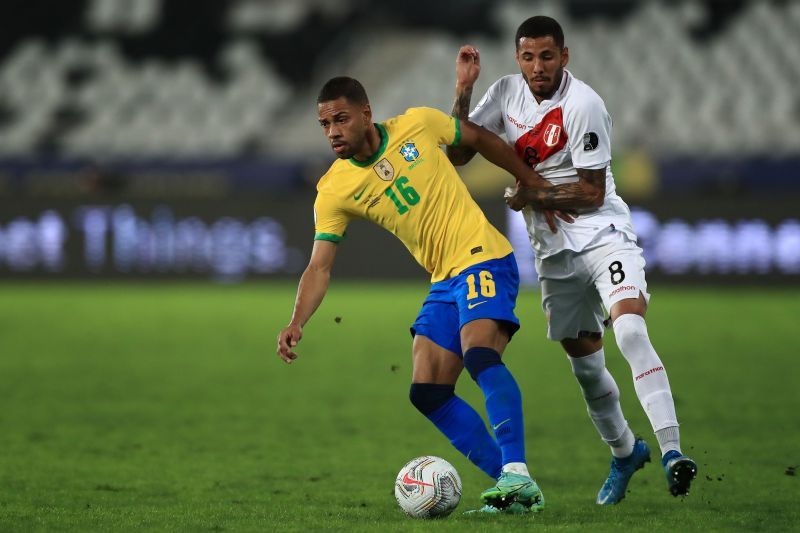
column 514, row 508
column 513, row 488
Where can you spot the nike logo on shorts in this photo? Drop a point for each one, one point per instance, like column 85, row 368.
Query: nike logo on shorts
column 476, row 304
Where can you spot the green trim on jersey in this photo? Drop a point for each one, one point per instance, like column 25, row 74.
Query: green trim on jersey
column 379, row 153
column 457, row 138
column 332, row 237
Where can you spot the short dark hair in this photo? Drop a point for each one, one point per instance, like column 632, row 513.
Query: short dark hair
column 340, row 86
column 540, row 26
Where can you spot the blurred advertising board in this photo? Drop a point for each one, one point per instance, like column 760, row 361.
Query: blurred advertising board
column 233, row 238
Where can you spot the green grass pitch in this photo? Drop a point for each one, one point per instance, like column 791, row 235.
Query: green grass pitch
column 164, row 407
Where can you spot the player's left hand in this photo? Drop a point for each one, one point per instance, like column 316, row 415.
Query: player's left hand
column 514, row 199
column 468, row 66
column 287, row 340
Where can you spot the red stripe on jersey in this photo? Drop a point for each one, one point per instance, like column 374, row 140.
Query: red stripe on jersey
column 545, row 139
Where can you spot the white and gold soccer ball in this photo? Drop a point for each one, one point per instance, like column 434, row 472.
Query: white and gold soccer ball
column 428, row 487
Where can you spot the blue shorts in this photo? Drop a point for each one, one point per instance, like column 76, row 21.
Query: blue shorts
column 485, row 290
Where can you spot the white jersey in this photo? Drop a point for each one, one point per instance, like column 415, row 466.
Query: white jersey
column 571, row 130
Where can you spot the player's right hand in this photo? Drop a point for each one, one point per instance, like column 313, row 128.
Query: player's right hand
column 550, row 216
column 468, row 66
column 288, row 339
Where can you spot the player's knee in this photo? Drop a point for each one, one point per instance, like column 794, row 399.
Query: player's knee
column 476, row 360
column 588, row 369
column 630, row 330
column 428, row 397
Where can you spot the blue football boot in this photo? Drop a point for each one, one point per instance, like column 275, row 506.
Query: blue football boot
column 680, row 471
column 622, row 469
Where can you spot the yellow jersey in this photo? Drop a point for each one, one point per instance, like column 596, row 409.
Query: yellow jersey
column 410, row 188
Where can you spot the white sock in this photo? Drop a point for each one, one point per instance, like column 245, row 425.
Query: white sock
column 669, row 439
column 649, row 377
column 602, row 401
column 516, row 468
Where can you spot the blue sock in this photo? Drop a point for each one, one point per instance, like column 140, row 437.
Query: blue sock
column 503, row 401
column 460, row 423
column 467, row 432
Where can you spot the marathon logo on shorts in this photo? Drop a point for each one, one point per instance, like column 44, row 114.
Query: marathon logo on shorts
column 621, row 289
column 651, row 371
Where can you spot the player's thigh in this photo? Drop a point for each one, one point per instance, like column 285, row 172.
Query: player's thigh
column 438, row 318
column 436, row 350
column 620, row 278
column 433, row 363
column 570, row 309
column 485, row 333
column 486, row 295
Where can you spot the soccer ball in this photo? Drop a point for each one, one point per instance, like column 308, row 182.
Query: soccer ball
column 428, row 487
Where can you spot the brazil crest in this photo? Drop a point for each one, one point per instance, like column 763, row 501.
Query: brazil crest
column 409, row 151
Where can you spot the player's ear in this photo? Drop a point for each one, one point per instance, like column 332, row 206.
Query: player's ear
column 564, row 57
column 367, row 111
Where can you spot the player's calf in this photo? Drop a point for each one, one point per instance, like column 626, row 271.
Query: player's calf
column 601, row 394
column 503, row 403
column 460, row 423
column 649, row 379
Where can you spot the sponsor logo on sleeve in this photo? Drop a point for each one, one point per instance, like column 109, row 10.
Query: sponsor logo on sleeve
column 590, row 141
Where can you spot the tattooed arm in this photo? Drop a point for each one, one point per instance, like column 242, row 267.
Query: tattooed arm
column 468, row 67
column 589, row 191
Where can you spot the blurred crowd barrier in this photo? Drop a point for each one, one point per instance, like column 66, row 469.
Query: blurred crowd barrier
column 172, row 78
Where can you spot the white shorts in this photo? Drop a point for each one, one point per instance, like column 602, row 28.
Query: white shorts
column 579, row 288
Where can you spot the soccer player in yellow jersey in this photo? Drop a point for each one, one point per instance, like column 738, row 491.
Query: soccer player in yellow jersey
column 396, row 175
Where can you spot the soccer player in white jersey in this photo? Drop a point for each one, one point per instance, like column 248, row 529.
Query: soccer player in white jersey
column 561, row 128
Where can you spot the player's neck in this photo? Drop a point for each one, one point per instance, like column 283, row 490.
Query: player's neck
column 372, row 143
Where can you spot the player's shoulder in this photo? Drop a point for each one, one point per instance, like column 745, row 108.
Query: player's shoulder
column 327, row 183
column 509, row 84
column 581, row 96
column 418, row 114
